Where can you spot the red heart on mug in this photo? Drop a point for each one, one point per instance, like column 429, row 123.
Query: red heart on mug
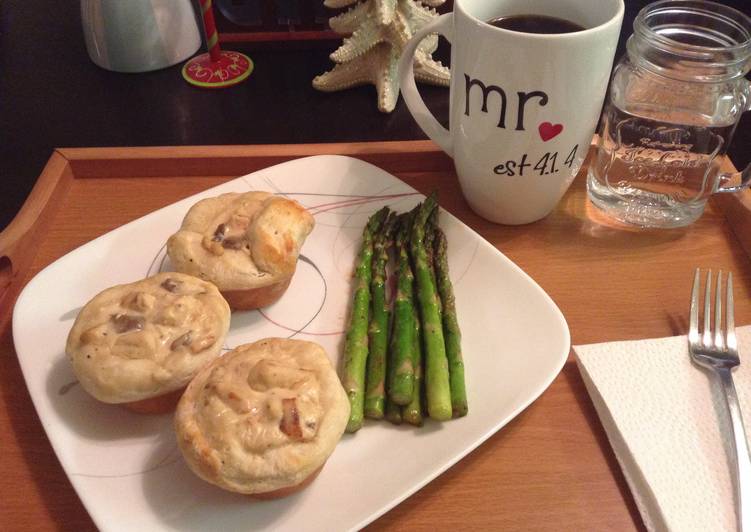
column 548, row 130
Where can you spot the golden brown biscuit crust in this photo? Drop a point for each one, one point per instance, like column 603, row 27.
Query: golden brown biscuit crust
column 243, row 243
column 256, row 297
column 264, row 417
column 289, row 490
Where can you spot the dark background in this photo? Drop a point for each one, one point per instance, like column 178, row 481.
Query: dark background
column 52, row 95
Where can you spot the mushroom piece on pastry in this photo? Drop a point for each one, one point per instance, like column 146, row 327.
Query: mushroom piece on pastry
column 141, row 343
column 246, row 244
column 264, row 418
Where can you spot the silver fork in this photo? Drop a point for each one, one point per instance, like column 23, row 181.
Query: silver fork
column 718, row 351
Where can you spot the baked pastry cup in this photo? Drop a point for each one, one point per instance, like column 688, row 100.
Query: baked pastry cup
column 246, row 244
column 264, row 418
column 140, row 344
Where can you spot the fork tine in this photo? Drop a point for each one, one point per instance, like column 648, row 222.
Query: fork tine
column 732, row 342
column 719, row 337
column 693, row 320
column 706, row 331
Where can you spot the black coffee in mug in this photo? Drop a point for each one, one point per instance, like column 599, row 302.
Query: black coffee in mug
column 535, row 24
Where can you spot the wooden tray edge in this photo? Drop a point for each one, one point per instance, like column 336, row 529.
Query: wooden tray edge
column 35, row 213
column 242, row 159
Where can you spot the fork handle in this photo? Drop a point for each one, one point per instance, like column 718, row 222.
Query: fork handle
column 742, row 461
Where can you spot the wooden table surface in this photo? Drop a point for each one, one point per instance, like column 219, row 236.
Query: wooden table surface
column 551, row 468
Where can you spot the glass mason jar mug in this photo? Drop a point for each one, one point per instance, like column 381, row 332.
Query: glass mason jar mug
column 675, row 100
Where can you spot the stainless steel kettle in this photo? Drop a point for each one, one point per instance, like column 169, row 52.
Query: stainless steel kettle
column 139, row 35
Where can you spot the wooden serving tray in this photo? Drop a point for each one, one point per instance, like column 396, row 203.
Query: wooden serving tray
column 550, row 468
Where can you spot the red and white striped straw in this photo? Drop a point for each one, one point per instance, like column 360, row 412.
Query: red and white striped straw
column 212, row 36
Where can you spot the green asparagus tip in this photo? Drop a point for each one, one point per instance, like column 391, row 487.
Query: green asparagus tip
column 375, row 221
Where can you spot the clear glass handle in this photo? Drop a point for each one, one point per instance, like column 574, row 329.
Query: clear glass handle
column 744, row 176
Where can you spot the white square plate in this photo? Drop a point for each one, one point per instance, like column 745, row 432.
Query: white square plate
column 127, row 469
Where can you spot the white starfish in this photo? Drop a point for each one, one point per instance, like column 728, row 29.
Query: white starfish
column 377, row 68
column 370, row 33
column 377, row 32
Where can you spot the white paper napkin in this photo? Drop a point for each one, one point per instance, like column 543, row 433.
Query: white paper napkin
column 667, row 423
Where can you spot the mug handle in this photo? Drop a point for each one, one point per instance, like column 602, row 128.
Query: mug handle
column 744, row 175
column 443, row 25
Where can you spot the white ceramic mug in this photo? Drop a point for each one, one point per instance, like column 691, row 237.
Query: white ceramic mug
column 523, row 106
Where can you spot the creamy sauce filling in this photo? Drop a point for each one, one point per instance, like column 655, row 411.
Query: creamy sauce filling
column 260, row 404
column 229, row 230
column 156, row 322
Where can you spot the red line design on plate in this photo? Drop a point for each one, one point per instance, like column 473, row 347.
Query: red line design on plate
column 469, row 264
column 362, row 200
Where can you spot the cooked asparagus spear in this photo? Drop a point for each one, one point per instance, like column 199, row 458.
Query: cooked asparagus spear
column 412, row 413
column 356, row 342
column 452, row 334
column 393, row 412
column 436, row 365
column 430, row 226
column 401, row 371
column 379, row 323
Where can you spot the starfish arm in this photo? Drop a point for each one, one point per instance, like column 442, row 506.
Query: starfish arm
column 398, row 33
column 428, row 70
column 417, row 14
column 377, row 67
column 429, row 44
column 361, row 70
column 346, row 23
column 336, row 4
column 343, row 76
column 362, row 40
column 387, row 81
column 432, row 3
column 384, row 10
